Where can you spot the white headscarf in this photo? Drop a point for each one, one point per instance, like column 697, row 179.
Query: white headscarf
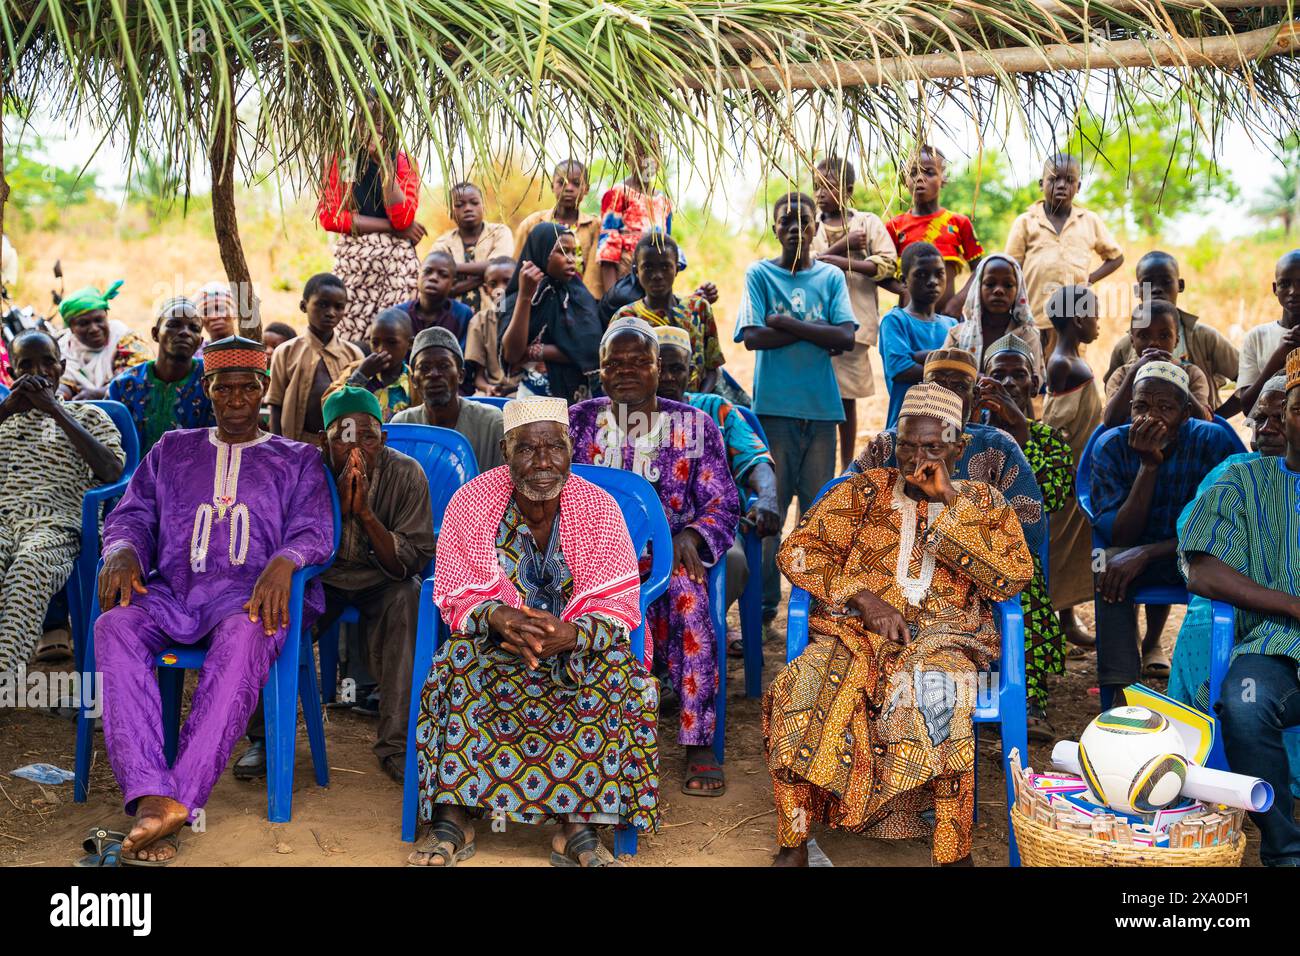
column 969, row 334
column 91, row 368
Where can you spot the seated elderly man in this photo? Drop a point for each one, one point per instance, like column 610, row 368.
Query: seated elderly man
column 679, row 450
column 1239, row 546
column 871, row 727
column 1142, row 476
column 386, row 540
column 535, row 710
column 990, row 455
column 167, row 393
column 1006, row 391
column 203, row 546
column 747, row 454
column 437, row 365
column 51, row 454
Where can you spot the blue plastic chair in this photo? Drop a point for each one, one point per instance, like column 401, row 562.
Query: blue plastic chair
column 94, row 504
column 751, row 599
column 1166, row 594
column 1006, row 707
column 4, row 392
column 1223, row 637
column 498, row 401
column 646, row 523
column 292, row 675
column 448, row 461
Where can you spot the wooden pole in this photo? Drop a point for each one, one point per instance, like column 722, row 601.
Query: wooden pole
column 960, row 20
column 1225, row 52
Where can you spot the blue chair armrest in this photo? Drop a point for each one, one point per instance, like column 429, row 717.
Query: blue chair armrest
column 796, row 623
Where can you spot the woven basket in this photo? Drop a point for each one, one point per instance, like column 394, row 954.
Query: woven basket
column 1042, row 845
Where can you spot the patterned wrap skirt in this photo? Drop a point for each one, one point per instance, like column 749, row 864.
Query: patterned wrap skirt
column 379, row 270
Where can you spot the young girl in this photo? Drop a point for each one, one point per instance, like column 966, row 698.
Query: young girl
column 628, row 211
column 472, row 243
column 997, row 304
column 656, row 258
column 909, row 333
column 1073, row 408
column 550, row 316
column 950, row 232
column 858, row 243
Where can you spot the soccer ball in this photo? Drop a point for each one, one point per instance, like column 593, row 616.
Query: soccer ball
column 1131, row 760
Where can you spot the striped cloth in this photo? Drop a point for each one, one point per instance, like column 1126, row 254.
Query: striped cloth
column 1250, row 520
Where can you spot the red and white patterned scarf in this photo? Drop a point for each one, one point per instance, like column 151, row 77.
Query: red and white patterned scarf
column 593, row 537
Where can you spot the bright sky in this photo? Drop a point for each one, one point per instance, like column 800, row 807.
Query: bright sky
column 731, row 198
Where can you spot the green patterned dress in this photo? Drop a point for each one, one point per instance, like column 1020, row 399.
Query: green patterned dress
column 1050, row 457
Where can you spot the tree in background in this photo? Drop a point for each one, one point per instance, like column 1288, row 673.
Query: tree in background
column 1281, row 197
column 1145, row 167
column 45, row 187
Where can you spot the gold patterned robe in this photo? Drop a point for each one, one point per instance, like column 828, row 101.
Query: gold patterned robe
column 865, row 734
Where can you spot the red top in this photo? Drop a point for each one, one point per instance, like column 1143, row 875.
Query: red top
column 333, row 211
column 950, row 232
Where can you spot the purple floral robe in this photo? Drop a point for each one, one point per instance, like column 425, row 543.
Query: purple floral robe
column 686, row 460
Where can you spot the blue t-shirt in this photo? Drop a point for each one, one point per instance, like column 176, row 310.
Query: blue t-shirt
column 796, row 380
column 902, row 334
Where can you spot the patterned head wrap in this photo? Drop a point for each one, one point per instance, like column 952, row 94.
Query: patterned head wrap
column 1164, row 372
column 234, row 354
column 215, row 292
column 89, row 299
column 974, row 306
column 671, row 335
column 929, row 400
column 525, row 411
column 176, row 303
column 952, row 360
column 1008, row 343
column 630, row 323
column 1292, row 369
column 349, row 400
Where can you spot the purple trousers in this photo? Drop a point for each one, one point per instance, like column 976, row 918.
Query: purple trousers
column 238, row 659
column 681, row 629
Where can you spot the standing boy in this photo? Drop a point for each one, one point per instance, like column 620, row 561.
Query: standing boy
column 858, row 244
column 1265, row 348
column 795, row 314
column 472, row 244
column 570, row 185
column 1054, row 242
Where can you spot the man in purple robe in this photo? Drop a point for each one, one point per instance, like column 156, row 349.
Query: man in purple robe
column 679, row 450
column 203, row 545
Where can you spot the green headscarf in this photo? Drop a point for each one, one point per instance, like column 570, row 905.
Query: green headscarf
column 86, row 300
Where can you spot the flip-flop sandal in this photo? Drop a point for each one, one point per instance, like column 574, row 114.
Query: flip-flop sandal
column 446, row 842
column 110, row 855
column 585, row 840
column 704, row 771
column 1077, row 652
column 1156, row 664
column 97, row 838
column 736, row 647
column 56, row 651
column 172, row 840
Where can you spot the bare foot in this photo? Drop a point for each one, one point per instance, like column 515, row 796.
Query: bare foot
column 430, row 857
column 791, row 856
column 155, row 818
column 1074, row 633
column 701, row 755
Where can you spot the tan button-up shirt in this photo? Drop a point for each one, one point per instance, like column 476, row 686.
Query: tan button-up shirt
column 293, row 367
column 587, row 231
column 495, row 240
column 862, row 288
column 1050, row 259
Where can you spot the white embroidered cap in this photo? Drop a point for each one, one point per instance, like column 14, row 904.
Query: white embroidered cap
column 525, row 411
column 1164, row 372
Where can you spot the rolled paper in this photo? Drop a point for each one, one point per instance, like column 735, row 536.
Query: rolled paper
column 1202, row 783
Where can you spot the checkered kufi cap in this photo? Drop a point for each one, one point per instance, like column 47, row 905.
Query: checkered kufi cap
column 1164, row 372
column 929, row 400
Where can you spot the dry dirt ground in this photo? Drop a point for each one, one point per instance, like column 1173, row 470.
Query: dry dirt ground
column 357, row 819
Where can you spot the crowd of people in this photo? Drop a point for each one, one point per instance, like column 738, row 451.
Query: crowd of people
column 536, row 706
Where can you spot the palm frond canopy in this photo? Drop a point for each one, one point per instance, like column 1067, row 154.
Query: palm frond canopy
column 704, row 75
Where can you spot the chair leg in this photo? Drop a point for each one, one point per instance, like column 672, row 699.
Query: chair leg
column 171, row 686
column 88, row 691
column 280, row 701
column 427, row 625
column 329, row 664
column 751, row 616
column 624, row 840
column 1015, row 736
column 311, row 712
